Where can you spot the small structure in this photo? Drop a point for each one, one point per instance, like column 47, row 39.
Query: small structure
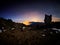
column 48, row 19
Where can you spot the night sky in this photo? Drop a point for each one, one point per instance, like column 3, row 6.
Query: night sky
column 28, row 10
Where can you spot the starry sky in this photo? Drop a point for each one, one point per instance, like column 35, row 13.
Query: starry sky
column 30, row 10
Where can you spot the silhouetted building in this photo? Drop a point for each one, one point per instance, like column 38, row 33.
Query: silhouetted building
column 48, row 19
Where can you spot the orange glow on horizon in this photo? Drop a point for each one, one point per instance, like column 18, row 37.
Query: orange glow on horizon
column 55, row 19
column 26, row 22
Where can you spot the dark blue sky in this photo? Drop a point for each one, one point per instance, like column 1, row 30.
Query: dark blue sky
column 28, row 10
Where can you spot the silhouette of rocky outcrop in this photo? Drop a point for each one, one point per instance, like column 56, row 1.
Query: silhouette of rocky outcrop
column 48, row 19
column 8, row 24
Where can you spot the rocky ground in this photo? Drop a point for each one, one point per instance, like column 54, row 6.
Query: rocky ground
column 16, row 37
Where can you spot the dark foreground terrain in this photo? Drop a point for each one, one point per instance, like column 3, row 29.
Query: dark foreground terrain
column 16, row 37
